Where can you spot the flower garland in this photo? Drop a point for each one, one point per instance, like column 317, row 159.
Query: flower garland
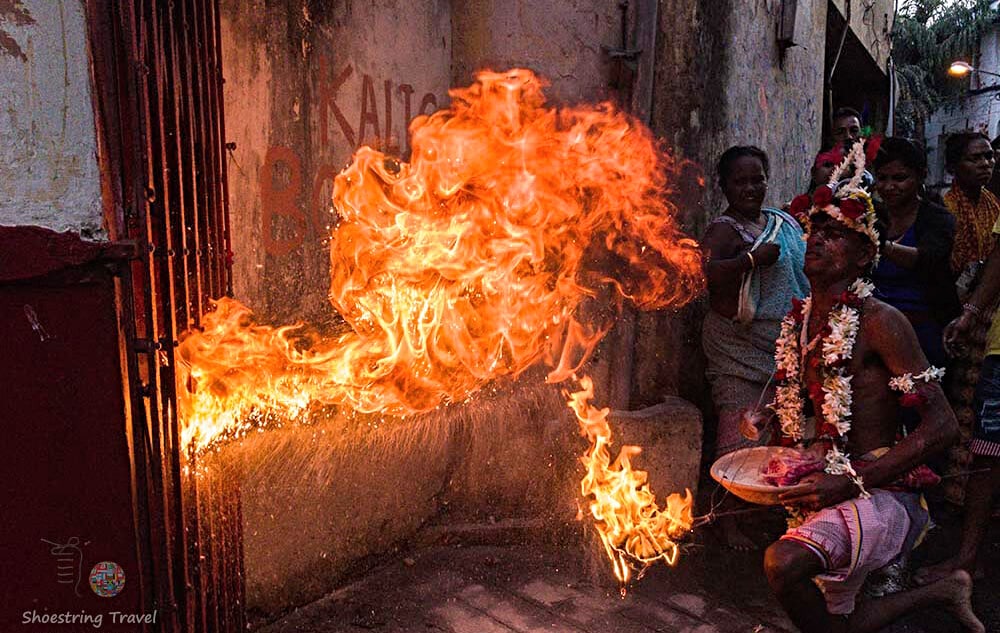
column 792, row 352
column 912, row 393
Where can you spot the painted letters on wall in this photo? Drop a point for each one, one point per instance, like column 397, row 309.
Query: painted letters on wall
column 352, row 108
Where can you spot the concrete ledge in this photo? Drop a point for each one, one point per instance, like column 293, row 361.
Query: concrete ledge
column 670, row 434
column 323, row 502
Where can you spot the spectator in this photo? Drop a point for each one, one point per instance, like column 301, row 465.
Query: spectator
column 914, row 274
column 969, row 158
column 755, row 258
column 823, row 166
column 985, row 446
column 845, row 127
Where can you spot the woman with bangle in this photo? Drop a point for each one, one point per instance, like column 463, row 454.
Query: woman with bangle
column 969, row 158
column 914, row 273
column 754, row 267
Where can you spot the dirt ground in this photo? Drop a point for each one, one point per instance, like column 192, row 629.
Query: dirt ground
column 509, row 580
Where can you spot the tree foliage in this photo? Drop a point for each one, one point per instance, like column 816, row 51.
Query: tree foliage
column 927, row 36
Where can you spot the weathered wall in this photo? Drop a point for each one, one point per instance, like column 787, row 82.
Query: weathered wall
column 48, row 161
column 321, row 501
column 559, row 41
column 722, row 80
column 307, row 83
column 980, row 111
column 871, row 21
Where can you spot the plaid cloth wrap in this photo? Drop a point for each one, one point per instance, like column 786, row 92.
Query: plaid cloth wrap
column 857, row 537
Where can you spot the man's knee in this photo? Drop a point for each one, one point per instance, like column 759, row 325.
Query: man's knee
column 787, row 563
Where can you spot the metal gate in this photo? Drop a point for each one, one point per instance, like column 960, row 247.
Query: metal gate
column 158, row 94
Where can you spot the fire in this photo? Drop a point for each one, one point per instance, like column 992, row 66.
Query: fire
column 635, row 532
column 512, row 237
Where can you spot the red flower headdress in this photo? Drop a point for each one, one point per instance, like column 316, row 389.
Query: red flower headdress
column 848, row 203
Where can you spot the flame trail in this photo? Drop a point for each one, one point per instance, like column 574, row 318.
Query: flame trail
column 635, row 532
column 511, row 238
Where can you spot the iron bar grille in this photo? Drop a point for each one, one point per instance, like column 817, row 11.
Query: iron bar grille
column 158, row 96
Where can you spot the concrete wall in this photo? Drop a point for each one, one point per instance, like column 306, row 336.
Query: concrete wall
column 722, row 80
column 560, row 41
column 307, row 83
column 48, row 161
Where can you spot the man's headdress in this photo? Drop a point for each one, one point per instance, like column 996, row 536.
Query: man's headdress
column 845, row 200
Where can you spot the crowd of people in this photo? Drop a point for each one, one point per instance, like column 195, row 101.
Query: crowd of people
column 856, row 326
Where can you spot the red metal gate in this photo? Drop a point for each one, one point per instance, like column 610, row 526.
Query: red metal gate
column 158, row 94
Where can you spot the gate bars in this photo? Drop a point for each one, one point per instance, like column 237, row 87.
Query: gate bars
column 157, row 79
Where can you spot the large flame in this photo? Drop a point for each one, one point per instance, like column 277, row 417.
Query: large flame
column 511, row 238
column 635, row 532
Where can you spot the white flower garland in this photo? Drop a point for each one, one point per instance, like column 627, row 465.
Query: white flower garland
column 907, row 382
column 791, row 352
column 788, row 395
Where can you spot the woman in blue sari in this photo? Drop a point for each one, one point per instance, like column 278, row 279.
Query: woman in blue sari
column 755, row 257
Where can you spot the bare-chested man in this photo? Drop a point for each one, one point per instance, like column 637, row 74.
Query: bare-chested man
column 854, row 523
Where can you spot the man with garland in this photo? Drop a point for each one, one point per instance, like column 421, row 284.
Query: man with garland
column 846, row 363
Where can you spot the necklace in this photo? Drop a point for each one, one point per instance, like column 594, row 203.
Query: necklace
column 836, row 341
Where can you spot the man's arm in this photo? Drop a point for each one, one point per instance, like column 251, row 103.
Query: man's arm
column 892, row 337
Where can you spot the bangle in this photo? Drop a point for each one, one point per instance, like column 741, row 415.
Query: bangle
column 973, row 308
column 753, row 264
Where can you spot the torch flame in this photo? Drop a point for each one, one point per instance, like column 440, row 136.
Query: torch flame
column 635, row 532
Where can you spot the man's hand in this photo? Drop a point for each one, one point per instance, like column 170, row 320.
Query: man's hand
column 820, row 490
column 753, row 420
column 765, row 254
column 957, row 332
